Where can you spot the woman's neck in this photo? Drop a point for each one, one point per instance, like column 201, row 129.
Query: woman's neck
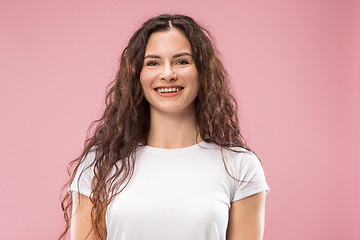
column 173, row 130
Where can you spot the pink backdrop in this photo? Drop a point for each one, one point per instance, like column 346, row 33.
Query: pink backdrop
column 294, row 66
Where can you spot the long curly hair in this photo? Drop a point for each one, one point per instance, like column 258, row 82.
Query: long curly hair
column 125, row 121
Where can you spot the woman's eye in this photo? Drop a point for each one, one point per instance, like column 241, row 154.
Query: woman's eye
column 151, row 63
column 182, row 62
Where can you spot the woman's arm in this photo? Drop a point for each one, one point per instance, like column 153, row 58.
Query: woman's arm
column 247, row 218
column 81, row 227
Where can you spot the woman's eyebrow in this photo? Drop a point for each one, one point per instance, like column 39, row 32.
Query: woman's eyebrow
column 182, row 54
column 175, row 56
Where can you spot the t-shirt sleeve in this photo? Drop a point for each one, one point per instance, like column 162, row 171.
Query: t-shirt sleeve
column 252, row 175
column 82, row 180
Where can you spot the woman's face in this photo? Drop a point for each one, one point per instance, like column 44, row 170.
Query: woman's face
column 169, row 77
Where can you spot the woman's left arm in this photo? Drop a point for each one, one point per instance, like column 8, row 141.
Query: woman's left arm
column 247, row 218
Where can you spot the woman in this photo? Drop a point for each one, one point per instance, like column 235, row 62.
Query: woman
column 157, row 165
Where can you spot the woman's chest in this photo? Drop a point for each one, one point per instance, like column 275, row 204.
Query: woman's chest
column 193, row 193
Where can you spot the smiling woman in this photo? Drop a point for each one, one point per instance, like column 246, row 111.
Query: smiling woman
column 168, row 60
column 167, row 159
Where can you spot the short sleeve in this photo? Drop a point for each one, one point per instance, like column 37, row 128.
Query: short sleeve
column 252, row 175
column 82, row 182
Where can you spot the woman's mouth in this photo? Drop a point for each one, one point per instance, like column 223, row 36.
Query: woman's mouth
column 168, row 92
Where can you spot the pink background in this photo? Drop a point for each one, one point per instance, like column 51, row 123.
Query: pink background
column 294, row 66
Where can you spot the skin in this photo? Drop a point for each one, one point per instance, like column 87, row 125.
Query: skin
column 175, row 116
column 247, row 218
column 81, row 218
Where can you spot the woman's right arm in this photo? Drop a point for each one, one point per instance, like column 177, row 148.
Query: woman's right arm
column 81, row 227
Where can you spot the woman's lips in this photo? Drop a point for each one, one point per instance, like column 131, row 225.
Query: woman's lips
column 171, row 88
column 168, row 94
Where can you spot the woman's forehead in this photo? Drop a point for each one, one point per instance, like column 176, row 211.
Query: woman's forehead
column 167, row 42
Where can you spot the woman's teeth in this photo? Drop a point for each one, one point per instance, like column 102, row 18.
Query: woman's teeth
column 166, row 90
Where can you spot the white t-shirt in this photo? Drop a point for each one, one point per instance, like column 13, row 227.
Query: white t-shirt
column 178, row 194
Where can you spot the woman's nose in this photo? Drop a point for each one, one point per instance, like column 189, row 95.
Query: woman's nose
column 168, row 74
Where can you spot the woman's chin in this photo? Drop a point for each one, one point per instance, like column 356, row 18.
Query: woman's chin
column 172, row 110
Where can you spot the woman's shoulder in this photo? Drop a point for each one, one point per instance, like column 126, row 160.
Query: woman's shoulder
column 238, row 155
column 234, row 150
column 88, row 158
column 241, row 155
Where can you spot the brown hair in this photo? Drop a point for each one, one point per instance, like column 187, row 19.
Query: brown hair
column 125, row 121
